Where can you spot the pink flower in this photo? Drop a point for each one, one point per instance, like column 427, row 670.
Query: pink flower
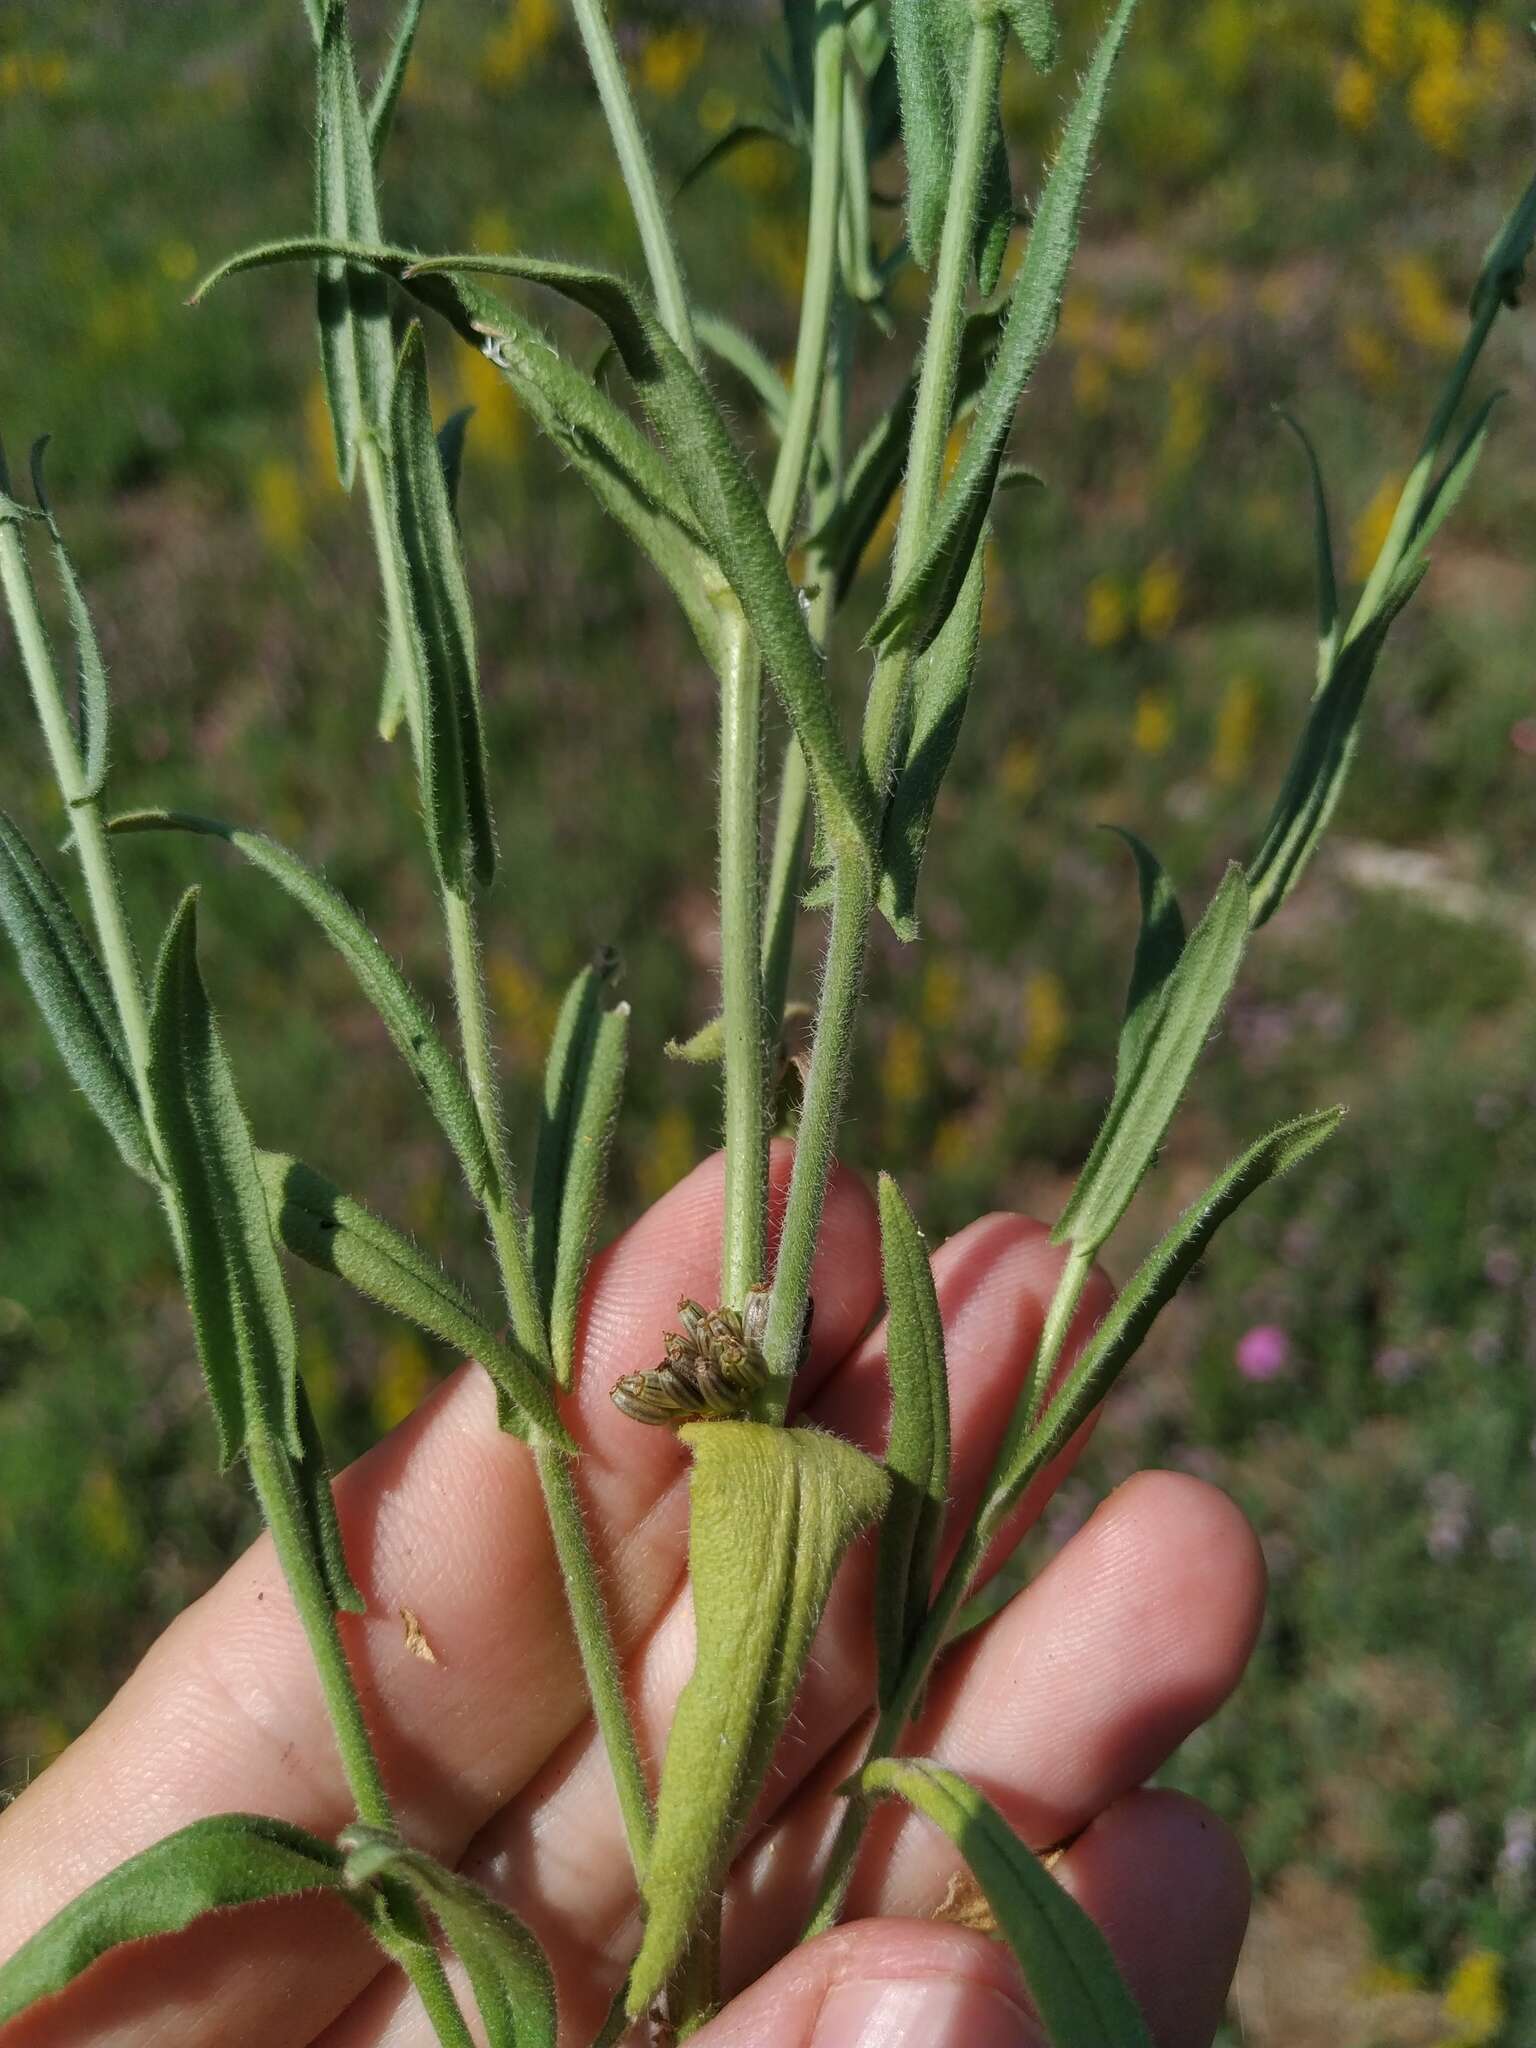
column 1263, row 1352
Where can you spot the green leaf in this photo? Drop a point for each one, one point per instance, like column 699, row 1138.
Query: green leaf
column 71, row 990
column 1034, row 23
column 352, row 302
column 583, row 1084
column 1145, row 1101
column 1119, row 1336
column 443, row 688
column 311, row 1477
column 233, row 1859
column 91, row 670
column 326, row 1228
column 1071, row 1974
column 405, row 1016
column 450, row 452
column 919, row 606
column 1446, row 493
column 704, row 1049
column 508, row 1973
column 932, row 43
column 730, row 510
column 917, row 1451
column 386, row 97
column 1327, row 584
column 1159, row 943
column 1319, row 768
column 773, row 1512
column 739, row 352
column 941, row 690
column 1503, row 273
column 229, row 1263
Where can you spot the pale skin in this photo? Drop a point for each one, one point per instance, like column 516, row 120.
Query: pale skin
column 1061, row 1710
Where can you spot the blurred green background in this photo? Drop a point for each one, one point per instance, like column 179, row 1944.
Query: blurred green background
column 1293, row 201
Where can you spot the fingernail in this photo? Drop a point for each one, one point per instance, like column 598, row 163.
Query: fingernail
column 920, row 2012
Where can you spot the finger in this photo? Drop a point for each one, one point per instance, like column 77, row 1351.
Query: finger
column 556, row 1855
column 1083, row 1686
column 443, row 1518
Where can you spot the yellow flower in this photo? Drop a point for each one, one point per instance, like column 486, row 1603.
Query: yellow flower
column 1492, row 48
column 1441, row 101
column 509, row 51
column 942, row 993
column 492, row 230
column 954, row 1145
column 1379, row 31
column 1369, row 354
column 902, row 1068
column 1018, row 772
column 669, row 58
column 319, row 441
column 1045, row 1021
column 1209, row 285
column 1079, row 316
column 1423, row 305
column 1434, row 35
column 405, row 1376
column 278, row 498
column 1185, row 432
column 1237, row 727
column 1090, row 385
column 761, row 167
column 525, row 1007
column 1225, row 36
column 1104, row 617
column 1158, row 598
column 717, row 110
column 1354, row 94
column 1135, row 347
column 668, row 1155
column 1474, row 2000
column 104, row 1518
column 778, row 247
column 322, row 1381
column 177, row 260
column 1369, row 531
column 1153, row 727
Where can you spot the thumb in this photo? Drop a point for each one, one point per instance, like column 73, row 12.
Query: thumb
column 882, row 1984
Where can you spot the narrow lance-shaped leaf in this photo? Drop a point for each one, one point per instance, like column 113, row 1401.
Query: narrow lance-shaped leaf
column 1034, row 23
column 919, row 606
column 772, row 1513
column 941, row 690
column 1446, row 493
column 1319, row 768
column 229, row 1263
column 326, row 1228
column 445, row 716
column 234, row 1859
column 71, row 990
column 569, row 1048
column 1067, row 1964
column 1322, row 535
column 1144, row 1104
column 386, row 96
column 311, row 1478
column 932, row 44
column 91, row 670
column 1159, row 943
column 404, row 1015
column 352, row 302
column 1120, row 1335
column 513, row 1987
column 917, row 1450
column 730, row 511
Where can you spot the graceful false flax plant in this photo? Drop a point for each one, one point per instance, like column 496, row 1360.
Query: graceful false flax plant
column 774, row 1508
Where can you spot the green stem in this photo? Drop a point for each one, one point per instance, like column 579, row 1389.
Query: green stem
column 936, row 385
column 1053, row 1335
column 741, row 925
column 639, row 175
column 784, row 870
column 283, row 1512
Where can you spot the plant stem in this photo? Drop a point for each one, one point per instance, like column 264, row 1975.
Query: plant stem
column 741, row 923
column 283, row 1512
column 784, row 868
column 639, row 174
column 97, row 866
column 936, row 385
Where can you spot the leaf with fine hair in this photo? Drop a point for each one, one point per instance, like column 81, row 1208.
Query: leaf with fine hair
column 1322, row 535
column 932, row 45
column 1319, row 768
column 508, row 1973
column 70, row 989
column 443, row 686
column 403, row 1013
column 1034, row 23
column 94, row 699
column 1159, row 943
column 1120, row 1335
column 233, row 1859
column 386, row 95
column 310, row 1477
column 730, row 510
column 583, row 1084
column 1145, row 1099
column 352, row 302
column 917, row 1449
column 1071, row 1973
column 326, row 1228
column 704, row 1049
column 919, row 605
column 941, row 690
column 229, row 1263
column 728, row 344
column 772, row 1513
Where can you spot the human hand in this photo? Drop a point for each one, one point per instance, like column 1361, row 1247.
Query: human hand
column 1059, row 1710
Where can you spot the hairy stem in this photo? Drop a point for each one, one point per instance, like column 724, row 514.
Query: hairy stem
column 639, row 174
column 741, row 925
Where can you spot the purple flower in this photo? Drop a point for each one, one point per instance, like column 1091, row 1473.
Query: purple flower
column 1263, row 1352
